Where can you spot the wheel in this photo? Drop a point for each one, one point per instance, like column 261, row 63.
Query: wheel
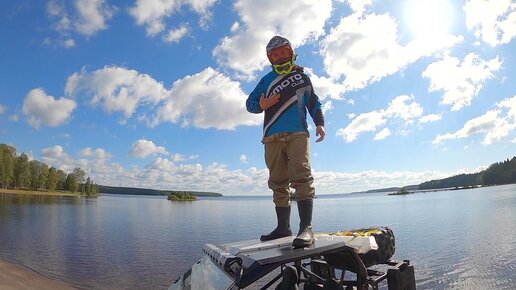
column 386, row 246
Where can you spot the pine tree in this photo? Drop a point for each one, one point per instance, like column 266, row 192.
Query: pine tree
column 71, row 183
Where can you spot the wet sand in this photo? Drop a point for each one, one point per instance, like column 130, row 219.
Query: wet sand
column 16, row 277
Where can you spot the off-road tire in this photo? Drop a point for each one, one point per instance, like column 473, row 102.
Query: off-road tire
column 386, row 247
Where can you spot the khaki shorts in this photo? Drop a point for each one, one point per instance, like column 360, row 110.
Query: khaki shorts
column 288, row 158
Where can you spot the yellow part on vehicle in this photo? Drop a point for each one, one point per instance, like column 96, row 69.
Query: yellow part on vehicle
column 358, row 233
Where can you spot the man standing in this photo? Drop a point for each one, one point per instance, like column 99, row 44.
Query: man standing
column 286, row 95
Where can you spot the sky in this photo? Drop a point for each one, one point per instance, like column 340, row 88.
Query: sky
column 151, row 93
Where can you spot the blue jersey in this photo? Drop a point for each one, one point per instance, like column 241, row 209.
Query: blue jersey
column 297, row 97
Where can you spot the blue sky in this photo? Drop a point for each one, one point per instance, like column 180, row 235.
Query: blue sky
column 151, row 93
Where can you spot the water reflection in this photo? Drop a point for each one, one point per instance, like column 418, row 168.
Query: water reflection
column 7, row 198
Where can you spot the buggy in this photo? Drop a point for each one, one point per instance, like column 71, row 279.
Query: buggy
column 355, row 259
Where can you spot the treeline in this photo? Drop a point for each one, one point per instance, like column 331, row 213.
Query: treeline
column 17, row 172
column 146, row 191
column 496, row 174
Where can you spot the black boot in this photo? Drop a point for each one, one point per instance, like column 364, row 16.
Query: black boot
column 283, row 228
column 305, row 237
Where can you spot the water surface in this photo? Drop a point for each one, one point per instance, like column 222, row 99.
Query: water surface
column 460, row 239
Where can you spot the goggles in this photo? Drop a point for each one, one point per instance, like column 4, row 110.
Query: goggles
column 284, row 68
column 280, row 54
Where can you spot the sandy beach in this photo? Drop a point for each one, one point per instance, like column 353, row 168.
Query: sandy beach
column 16, row 277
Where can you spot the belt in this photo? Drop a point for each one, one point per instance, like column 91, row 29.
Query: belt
column 283, row 136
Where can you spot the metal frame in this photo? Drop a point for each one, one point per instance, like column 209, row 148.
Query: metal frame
column 248, row 261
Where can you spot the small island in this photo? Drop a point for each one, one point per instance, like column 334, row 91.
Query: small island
column 181, row 196
column 401, row 191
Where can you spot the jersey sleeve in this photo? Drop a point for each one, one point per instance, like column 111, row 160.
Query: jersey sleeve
column 315, row 108
column 253, row 101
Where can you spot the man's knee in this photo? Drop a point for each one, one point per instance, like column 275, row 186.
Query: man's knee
column 304, row 188
column 281, row 197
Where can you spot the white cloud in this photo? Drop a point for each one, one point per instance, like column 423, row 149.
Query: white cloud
column 97, row 165
column 243, row 158
column 365, row 122
column 92, row 16
column 98, row 153
column 88, row 18
column 493, row 21
column 326, row 87
column 163, row 173
column 460, row 81
column 244, row 50
column 326, row 107
column 57, row 12
column 177, row 157
column 3, row 109
column 117, row 89
column 207, row 99
column 359, row 6
column 510, row 104
column 371, row 121
column 345, row 182
column 144, row 148
column 152, row 13
column 399, row 109
column 382, row 134
column 430, row 118
column 67, row 43
column 175, row 35
column 58, row 158
column 495, row 125
column 365, row 49
column 43, row 110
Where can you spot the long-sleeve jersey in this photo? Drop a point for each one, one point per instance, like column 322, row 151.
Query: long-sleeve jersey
column 296, row 98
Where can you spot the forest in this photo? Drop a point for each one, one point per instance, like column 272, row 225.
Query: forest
column 22, row 172
column 496, row 174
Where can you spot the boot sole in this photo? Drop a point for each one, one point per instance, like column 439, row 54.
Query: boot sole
column 274, row 238
column 301, row 243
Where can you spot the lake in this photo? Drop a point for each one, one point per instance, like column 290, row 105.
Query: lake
column 461, row 239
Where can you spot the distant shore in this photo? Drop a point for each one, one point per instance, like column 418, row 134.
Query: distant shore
column 14, row 276
column 37, row 192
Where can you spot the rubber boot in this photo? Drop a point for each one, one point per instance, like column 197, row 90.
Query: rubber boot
column 283, row 228
column 305, row 237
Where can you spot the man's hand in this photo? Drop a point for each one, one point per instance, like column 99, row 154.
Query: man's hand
column 266, row 103
column 320, row 132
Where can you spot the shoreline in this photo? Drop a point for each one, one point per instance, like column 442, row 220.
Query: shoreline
column 36, row 192
column 14, row 276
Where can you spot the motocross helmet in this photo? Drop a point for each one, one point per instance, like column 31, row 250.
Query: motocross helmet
column 281, row 55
